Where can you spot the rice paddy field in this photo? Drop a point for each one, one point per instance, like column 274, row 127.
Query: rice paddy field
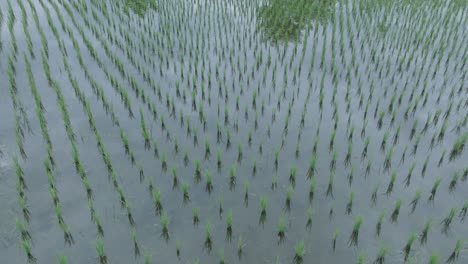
column 213, row 131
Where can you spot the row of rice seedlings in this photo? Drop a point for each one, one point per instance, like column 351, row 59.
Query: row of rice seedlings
column 21, row 225
column 57, row 205
column 44, row 42
column 39, row 110
column 25, row 29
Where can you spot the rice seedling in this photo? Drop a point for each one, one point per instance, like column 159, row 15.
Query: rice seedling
column 207, row 149
column 219, row 159
column 454, row 181
column 232, row 177
column 289, row 192
column 455, row 255
column 175, row 179
column 312, row 164
column 396, row 211
column 463, row 211
column 157, row 202
column 164, row 224
column 378, row 226
column 229, row 226
column 185, row 192
column 349, row 205
column 299, row 250
column 353, row 239
column 434, row 258
column 391, row 183
column 101, row 252
column 382, row 254
column 220, row 206
column 447, row 221
column 335, row 236
column 208, row 244
column 209, row 182
column 197, row 171
column 246, row 192
column 163, row 162
column 292, row 175
column 62, row 258
column 409, row 243
column 178, row 248
column 361, row 258
column 221, row 256
column 331, row 180
column 434, row 189
column 281, row 229
column 240, row 247
column 331, row 212
column 136, row 248
column 424, row 233
column 263, row 205
column 458, row 146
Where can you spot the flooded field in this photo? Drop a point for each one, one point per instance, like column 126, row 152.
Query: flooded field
column 212, row 131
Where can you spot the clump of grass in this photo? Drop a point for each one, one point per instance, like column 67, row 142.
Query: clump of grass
column 208, row 244
column 396, row 211
column 299, row 250
column 455, row 255
column 425, row 231
column 229, row 226
column 263, row 205
column 409, row 243
column 353, row 239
